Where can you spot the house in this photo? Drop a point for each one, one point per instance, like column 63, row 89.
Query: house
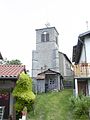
column 49, row 80
column 47, row 55
column 9, row 74
column 81, row 59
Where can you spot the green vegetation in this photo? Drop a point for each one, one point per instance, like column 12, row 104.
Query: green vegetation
column 23, row 93
column 11, row 62
column 52, row 106
column 14, row 62
column 80, row 107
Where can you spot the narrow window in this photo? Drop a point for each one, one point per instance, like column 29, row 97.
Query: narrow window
column 42, row 38
column 47, row 36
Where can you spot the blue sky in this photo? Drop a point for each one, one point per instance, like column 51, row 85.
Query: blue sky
column 20, row 18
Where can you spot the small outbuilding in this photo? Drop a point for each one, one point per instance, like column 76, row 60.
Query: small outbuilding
column 49, row 80
column 9, row 74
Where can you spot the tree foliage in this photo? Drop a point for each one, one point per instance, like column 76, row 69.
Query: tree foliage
column 23, row 93
column 14, row 62
column 10, row 62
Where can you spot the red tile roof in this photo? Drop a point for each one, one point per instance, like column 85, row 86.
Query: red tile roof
column 9, row 71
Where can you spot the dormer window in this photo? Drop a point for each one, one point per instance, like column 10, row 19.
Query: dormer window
column 45, row 37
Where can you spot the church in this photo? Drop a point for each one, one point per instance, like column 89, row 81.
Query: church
column 49, row 66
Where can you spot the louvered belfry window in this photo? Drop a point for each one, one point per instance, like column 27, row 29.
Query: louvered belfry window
column 47, row 37
column 44, row 37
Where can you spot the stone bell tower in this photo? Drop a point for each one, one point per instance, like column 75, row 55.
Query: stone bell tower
column 46, row 55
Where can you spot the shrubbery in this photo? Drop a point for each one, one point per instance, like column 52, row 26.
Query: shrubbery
column 80, row 107
column 23, row 93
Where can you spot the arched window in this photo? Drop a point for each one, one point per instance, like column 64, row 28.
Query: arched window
column 44, row 37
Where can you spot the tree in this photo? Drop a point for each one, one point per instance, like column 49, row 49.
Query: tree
column 10, row 62
column 23, row 93
column 14, row 62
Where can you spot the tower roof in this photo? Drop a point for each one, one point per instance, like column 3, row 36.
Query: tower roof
column 48, row 28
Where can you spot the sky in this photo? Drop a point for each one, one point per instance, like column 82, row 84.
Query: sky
column 20, row 18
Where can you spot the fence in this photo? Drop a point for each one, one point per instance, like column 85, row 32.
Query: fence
column 82, row 70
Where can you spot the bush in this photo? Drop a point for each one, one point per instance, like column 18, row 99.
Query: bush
column 23, row 94
column 80, row 107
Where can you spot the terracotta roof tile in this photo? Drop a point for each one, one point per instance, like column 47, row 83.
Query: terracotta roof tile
column 11, row 70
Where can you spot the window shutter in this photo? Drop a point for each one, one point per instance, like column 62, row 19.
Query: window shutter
column 42, row 38
column 47, row 37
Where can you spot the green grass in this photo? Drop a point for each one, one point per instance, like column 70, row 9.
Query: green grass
column 52, row 106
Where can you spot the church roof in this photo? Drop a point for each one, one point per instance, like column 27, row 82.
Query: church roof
column 66, row 57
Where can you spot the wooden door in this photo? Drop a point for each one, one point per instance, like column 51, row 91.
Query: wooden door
column 82, row 87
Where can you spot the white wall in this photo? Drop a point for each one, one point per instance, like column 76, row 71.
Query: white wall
column 87, row 46
column 88, row 50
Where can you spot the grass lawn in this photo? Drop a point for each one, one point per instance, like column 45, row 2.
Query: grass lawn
column 52, row 106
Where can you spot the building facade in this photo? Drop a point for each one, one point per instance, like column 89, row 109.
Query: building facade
column 9, row 74
column 48, row 81
column 81, row 59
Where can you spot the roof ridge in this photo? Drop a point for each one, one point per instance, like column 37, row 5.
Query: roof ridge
column 12, row 65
